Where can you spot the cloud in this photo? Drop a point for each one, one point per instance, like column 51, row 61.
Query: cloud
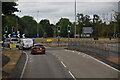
column 68, row 0
column 55, row 10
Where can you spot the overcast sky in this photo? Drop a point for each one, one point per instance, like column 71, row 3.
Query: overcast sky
column 55, row 9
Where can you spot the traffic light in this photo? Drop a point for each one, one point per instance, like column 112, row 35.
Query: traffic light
column 6, row 29
column 58, row 28
column 13, row 30
column 68, row 28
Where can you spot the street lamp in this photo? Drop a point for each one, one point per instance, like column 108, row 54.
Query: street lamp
column 114, row 24
column 17, row 23
column 37, row 23
column 75, row 20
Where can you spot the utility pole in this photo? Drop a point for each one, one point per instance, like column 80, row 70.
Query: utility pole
column 37, row 24
column 68, row 29
column 59, row 30
column 75, row 20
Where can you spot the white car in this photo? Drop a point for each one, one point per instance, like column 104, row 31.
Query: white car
column 25, row 43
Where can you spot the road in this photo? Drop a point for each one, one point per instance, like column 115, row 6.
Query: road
column 61, row 63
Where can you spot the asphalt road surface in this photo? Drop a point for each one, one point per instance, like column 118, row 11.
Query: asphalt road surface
column 61, row 63
column 44, row 66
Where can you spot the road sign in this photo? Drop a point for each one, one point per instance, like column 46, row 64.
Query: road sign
column 14, row 35
column 9, row 35
column 18, row 35
column 18, row 32
column 23, row 35
column 4, row 36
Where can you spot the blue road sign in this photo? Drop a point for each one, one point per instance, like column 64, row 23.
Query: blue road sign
column 14, row 35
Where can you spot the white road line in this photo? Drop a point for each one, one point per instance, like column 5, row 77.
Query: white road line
column 100, row 62
column 84, row 55
column 73, row 51
column 104, row 64
column 63, row 64
column 24, row 65
column 72, row 75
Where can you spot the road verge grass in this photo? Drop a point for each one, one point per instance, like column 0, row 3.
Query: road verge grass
column 14, row 56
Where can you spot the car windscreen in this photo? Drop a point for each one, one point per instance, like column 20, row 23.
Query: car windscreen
column 14, row 39
column 38, row 46
column 28, row 41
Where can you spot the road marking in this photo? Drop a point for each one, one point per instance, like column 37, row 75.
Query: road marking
column 79, row 53
column 104, row 64
column 83, row 54
column 73, row 51
column 88, row 56
column 24, row 65
column 72, row 75
column 63, row 64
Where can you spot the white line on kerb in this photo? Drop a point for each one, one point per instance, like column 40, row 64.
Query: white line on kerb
column 24, row 65
column 101, row 62
column 72, row 75
column 104, row 64
column 63, row 64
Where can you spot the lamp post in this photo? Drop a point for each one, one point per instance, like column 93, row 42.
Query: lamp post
column 75, row 20
column 37, row 23
column 17, row 23
column 114, row 24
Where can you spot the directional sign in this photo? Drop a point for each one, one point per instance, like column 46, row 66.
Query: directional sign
column 9, row 35
column 18, row 35
column 4, row 35
column 23, row 35
column 14, row 35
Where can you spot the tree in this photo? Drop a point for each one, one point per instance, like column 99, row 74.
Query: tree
column 46, row 27
column 9, row 21
column 8, row 8
column 83, row 21
column 117, row 22
column 28, row 26
column 96, row 22
column 63, row 23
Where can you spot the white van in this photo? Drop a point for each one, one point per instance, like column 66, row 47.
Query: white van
column 25, row 43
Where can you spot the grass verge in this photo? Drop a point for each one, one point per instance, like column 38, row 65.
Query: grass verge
column 14, row 56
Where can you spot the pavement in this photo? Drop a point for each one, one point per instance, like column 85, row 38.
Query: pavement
column 61, row 63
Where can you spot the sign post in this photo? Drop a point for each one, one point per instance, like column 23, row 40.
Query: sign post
column 58, row 35
column 23, row 35
column 68, row 28
column 9, row 35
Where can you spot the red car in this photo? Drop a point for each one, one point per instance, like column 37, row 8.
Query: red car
column 38, row 48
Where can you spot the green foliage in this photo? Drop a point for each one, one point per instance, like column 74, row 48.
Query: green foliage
column 46, row 27
column 63, row 23
column 9, row 21
column 28, row 26
column 8, row 8
column 83, row 20
column 45, row 35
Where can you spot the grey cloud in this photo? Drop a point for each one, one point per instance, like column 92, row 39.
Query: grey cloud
column 55, row 10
